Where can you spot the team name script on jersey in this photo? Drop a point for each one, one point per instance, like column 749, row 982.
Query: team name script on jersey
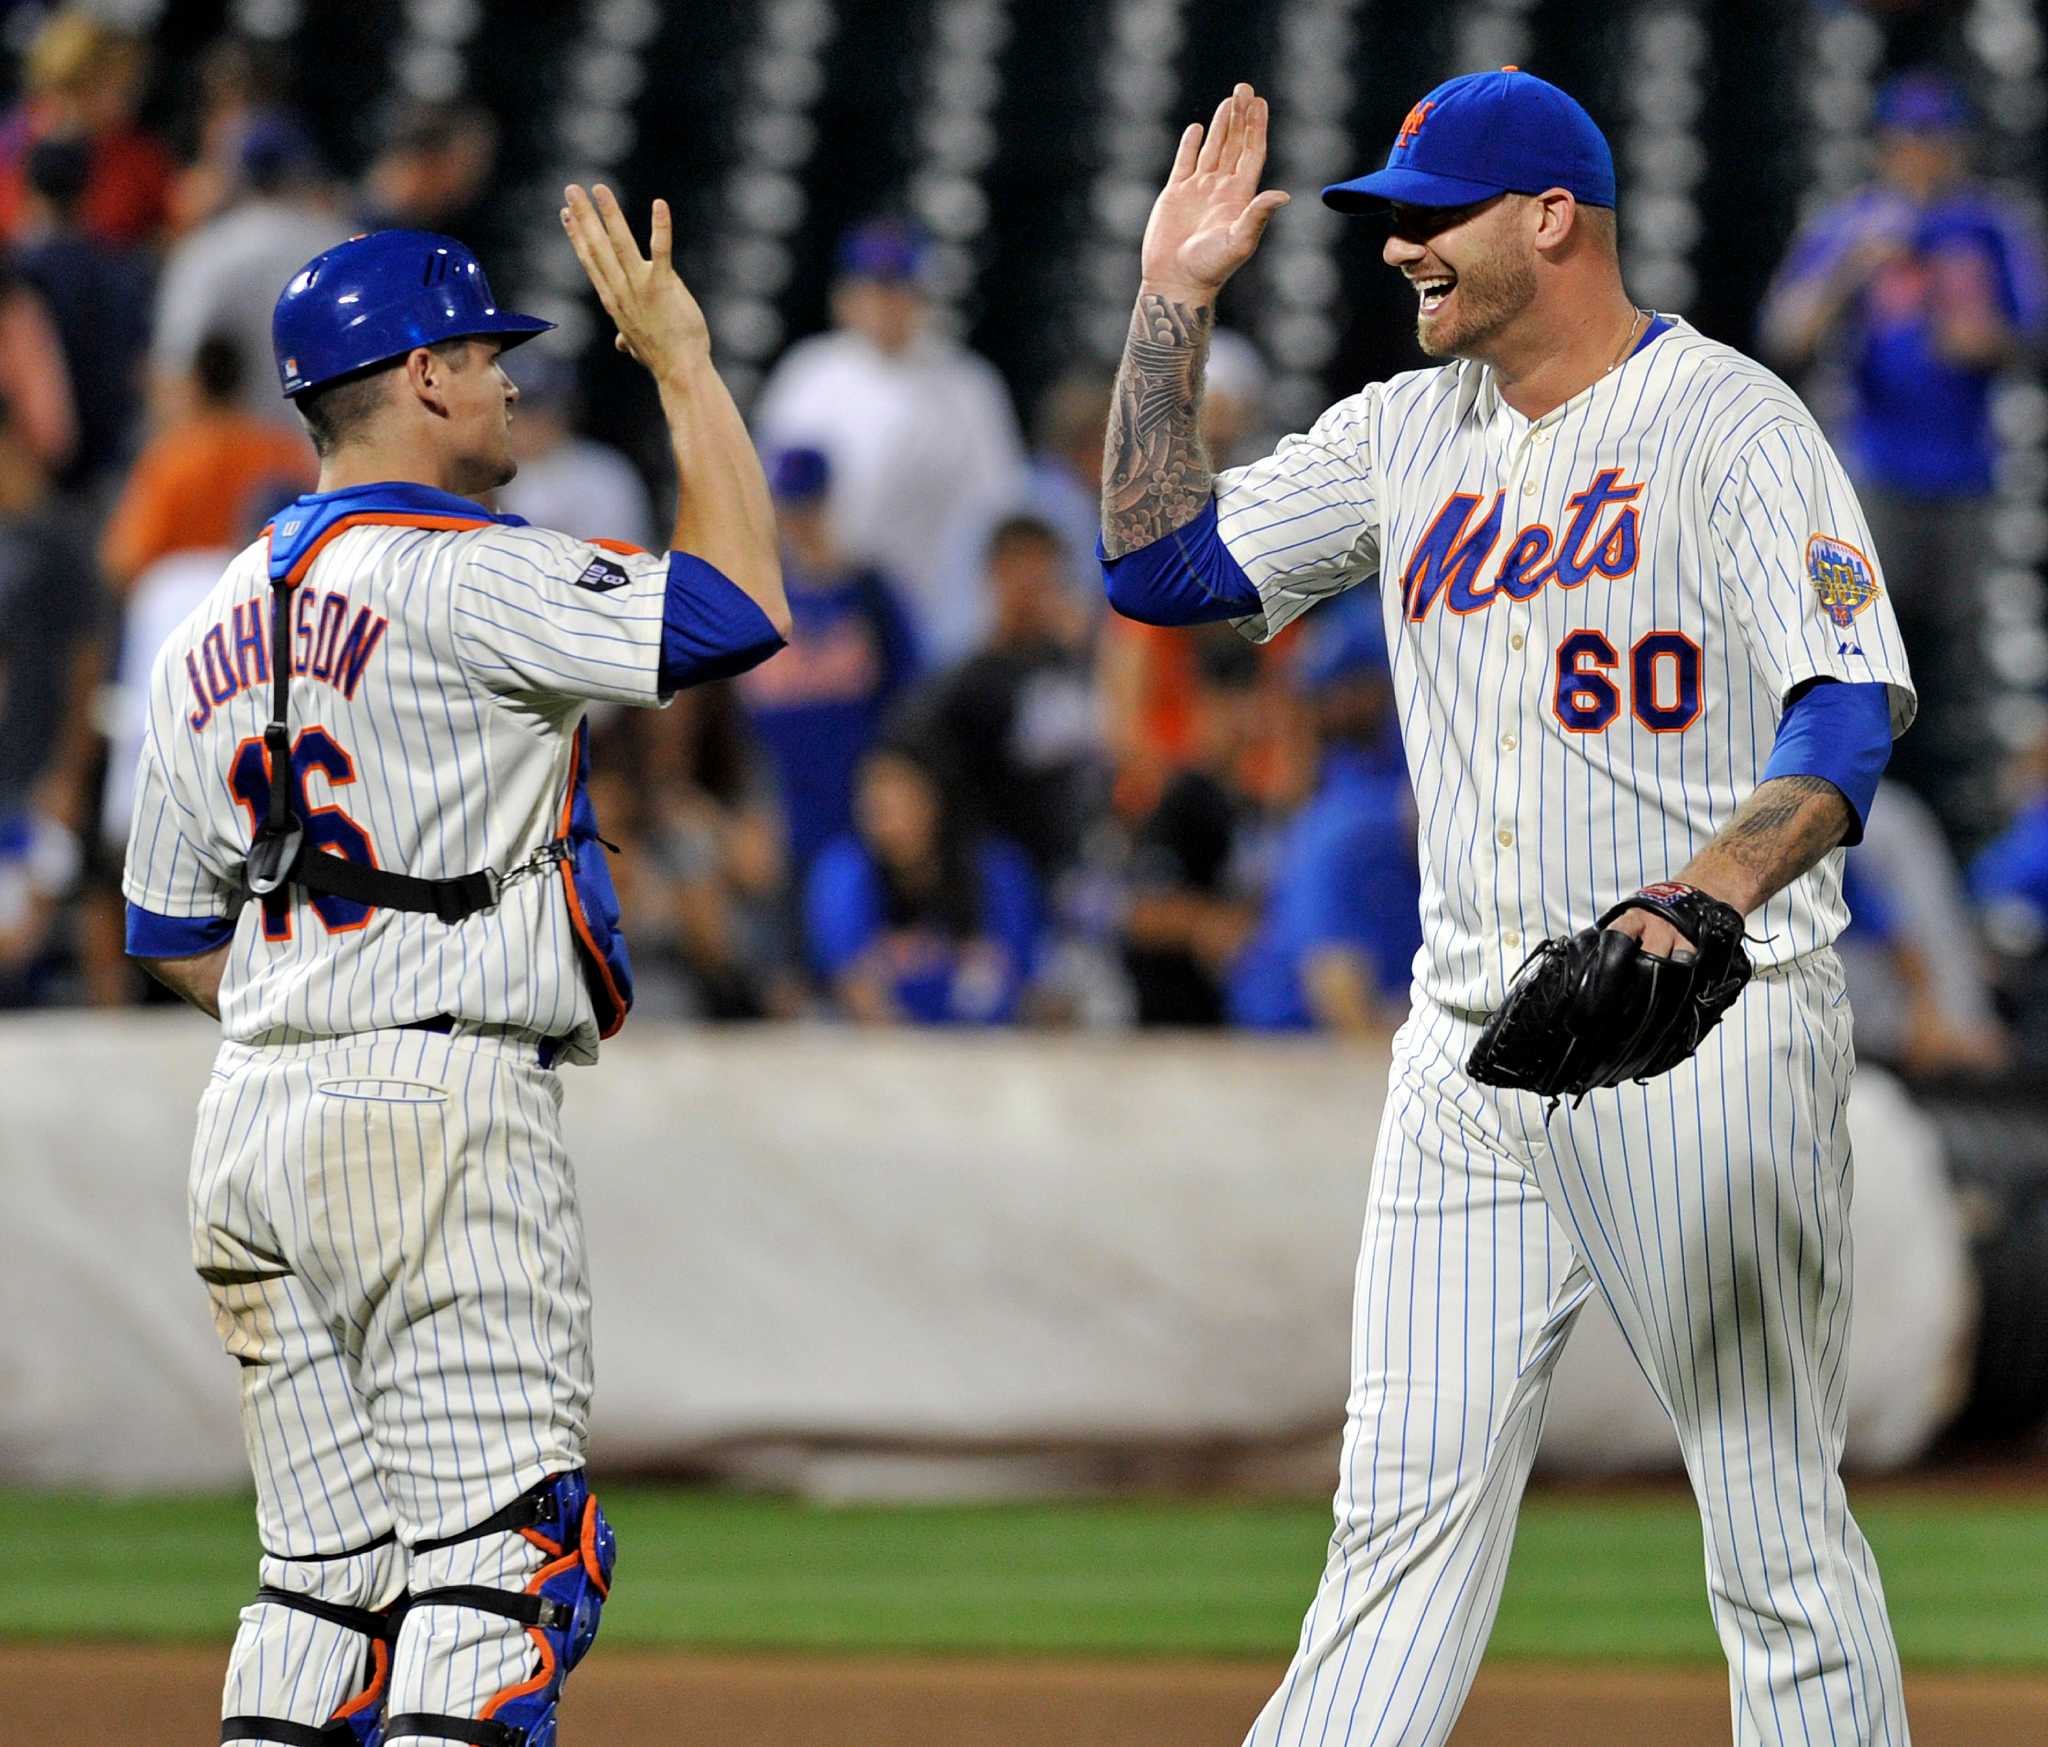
column 234, row 653
column 1451, row 557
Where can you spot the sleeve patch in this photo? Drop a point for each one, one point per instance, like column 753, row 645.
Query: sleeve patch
column 601, row 576
column 1845, row 582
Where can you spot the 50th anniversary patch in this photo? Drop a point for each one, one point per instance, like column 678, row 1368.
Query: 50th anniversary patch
column 1845, row 582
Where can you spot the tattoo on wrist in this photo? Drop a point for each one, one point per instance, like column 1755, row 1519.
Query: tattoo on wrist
column 1784, row 828
column 1155, row 475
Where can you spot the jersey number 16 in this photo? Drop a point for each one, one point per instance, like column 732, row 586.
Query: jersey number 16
column 328, row 828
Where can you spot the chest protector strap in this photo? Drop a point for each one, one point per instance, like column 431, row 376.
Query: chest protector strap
column 281, row 856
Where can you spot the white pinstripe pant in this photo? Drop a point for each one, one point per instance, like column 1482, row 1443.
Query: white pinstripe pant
column 1710, row 1209
column 389, row 1230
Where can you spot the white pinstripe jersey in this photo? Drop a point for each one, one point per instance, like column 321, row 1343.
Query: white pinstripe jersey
column 440, row 674
column 1593, row 620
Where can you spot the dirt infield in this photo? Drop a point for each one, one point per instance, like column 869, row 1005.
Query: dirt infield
column 77, row 1696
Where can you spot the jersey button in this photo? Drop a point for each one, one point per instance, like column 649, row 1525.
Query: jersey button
column 1529, row 488
column 1506, row 839
column 1508, row 743
column 1517, row 640
column 1511, row 938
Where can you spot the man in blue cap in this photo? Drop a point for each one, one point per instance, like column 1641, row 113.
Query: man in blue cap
column 1924, row 285
column 1647, row 676
column 919, row 429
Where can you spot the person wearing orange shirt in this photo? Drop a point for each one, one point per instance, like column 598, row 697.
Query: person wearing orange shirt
column 195, row 481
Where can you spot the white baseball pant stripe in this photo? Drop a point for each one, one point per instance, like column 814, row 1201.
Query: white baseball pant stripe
column 1710, row 1209
column 389, row 1230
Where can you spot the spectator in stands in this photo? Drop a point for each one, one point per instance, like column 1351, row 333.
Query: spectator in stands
column 434, row 172
column 33, row 378
column 2009, row 880
column 239, row 84
column 98, row 295
column 819, row 706
column 1912, row 957
column 566, row 480
column 86, row 78
column 1194, row 898
column 50, row 663
column 1019, row 719
column 701, row 864
column 919, row 430
column 1926, row 285
column 914, row 917
column 1061, row 485
column 224, row 278
column 1341, row 927
column 196, row 481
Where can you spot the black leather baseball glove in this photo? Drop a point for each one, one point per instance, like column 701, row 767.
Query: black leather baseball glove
column 1596, row 1010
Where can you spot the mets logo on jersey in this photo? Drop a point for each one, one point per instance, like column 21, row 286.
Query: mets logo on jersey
column 1454, row 558
column 1845, row 582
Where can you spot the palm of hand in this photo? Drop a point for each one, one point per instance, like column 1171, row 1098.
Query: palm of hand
column 1208, row 218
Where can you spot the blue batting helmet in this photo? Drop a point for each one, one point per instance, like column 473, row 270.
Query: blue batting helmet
column 375, row 297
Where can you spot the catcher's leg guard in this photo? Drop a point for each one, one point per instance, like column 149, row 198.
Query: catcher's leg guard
column 559, row 1607
column 308, row 1647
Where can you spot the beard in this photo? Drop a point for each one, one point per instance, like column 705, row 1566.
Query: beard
column 1489, row 294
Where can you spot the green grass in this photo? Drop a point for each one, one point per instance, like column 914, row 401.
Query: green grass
column 1592, row 1579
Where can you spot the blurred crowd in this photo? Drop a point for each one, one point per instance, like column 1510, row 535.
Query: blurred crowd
column 964, row 794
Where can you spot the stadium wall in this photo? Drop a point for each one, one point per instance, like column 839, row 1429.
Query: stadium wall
column 893, row 1261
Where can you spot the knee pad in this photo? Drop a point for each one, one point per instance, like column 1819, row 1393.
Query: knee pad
column 328, row 1590
column 559, row 1608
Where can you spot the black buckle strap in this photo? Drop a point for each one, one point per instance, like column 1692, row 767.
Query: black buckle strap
column 292, row 1734
column 528, row 1610
column 477, row 1730
column 453, row 900
column 281, row 844
column 383, row 1540
column 367, row 1621
column 533, row 1509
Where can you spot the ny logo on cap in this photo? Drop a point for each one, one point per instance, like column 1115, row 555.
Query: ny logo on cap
column 1411, row 125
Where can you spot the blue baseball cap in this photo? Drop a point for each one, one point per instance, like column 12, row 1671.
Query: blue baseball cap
column 1922, row 101
column 1484, row 134
column 887, row 249
column 799, row 475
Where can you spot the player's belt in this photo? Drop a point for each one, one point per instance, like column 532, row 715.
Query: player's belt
column 280, row 854
column 443, row 1025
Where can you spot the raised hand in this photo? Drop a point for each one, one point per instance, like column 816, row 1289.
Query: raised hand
column 658, row 320
column 1210, row 215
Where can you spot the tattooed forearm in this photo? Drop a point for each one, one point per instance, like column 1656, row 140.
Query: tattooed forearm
column 1155, row 475
column 1785, row 826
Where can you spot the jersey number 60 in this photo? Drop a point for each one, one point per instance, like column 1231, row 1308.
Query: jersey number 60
column 327, row 828
column 1664, row 682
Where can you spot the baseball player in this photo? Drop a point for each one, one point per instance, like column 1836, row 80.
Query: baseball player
column 362, row 840
column 1638, row 640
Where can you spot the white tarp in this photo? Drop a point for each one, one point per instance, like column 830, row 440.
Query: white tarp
column 822, row 1237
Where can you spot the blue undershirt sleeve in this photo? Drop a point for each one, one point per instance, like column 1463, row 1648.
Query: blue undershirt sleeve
column 711, row 628
column 1840, row 730
column 1187, row 577
column 151, row 935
